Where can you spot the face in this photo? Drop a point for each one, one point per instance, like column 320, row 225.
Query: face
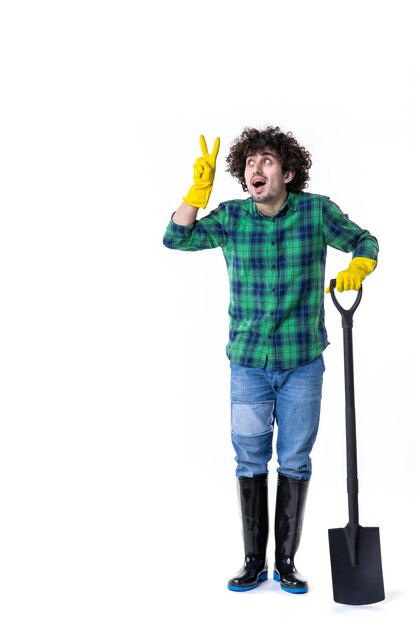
column 264, row 178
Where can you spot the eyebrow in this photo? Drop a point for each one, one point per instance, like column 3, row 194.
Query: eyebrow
column 266, row 153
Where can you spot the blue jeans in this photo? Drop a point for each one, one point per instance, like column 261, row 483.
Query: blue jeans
column 292, row 398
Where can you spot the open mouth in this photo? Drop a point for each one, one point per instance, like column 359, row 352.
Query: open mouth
column 258, row 183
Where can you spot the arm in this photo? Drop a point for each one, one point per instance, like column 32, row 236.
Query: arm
column 343, row 234
column 184, row 232
column 185, row 215
column 209, row 232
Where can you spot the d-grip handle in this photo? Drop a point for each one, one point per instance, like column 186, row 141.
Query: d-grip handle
column 347, row 314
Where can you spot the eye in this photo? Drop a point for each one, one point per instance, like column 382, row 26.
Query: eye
column 250, row 162
column 268, row 161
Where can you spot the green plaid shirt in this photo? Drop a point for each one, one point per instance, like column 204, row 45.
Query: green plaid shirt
column 276, row 270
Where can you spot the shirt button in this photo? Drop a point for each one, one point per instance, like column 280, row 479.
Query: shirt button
column 273, row 243
column 273, row 289
column 273, row 267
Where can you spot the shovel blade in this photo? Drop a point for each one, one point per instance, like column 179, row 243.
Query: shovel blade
column 356, row 566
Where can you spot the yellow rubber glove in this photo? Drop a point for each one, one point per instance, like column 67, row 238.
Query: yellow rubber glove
column 352, row 278
column 204, row 169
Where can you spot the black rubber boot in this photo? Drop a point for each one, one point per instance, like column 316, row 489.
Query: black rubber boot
column 253, row 498
column 289, row 515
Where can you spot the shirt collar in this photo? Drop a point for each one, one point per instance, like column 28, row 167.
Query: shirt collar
column 290, row 204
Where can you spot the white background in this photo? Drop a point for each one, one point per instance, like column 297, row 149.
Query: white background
column 117, row 487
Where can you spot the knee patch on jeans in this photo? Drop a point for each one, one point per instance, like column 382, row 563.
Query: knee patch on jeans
column 252, row 419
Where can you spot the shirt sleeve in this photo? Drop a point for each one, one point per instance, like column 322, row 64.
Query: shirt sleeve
column 208, row 232
column 343, row 234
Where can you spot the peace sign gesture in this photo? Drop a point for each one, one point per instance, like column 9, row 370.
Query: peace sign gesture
column 210, row 158
column 204, row 170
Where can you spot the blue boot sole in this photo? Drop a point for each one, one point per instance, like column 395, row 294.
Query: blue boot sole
column 261, row 578
column 289, row 589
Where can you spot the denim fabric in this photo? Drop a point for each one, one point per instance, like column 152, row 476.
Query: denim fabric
column 291, row 399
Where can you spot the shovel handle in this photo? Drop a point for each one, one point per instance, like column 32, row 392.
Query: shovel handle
column 351, row 453
column 347, row 314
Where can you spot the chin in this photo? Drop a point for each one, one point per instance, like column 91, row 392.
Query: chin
column 261, row 198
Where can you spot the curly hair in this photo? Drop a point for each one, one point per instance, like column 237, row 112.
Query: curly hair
column 293, row 157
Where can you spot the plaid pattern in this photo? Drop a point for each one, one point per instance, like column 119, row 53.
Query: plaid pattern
column 276, row 270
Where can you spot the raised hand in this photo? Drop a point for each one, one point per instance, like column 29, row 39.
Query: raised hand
column 204, row 170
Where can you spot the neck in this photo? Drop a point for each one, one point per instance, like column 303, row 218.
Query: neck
column 270, row 209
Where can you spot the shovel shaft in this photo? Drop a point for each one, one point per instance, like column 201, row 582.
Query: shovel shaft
column 351, row 447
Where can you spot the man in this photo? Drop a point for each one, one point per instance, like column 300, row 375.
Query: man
column 274, row 244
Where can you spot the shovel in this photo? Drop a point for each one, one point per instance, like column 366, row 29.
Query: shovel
column 355, row 551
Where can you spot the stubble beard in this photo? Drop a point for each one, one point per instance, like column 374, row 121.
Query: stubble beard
column 263, row 198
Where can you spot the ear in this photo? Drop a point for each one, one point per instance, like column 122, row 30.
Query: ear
column 288, row 177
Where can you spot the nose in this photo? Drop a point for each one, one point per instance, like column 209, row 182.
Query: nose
column 257, row 165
